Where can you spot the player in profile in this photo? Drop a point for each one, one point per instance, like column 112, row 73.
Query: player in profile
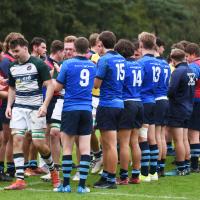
column 26, row 108
column 193, row 58
column 152, row 71
column 180, row 94
column 110, row 78
column 77, row 78
column 132, row 115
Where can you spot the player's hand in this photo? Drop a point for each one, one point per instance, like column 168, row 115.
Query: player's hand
column 42, row 111
column 8, row 112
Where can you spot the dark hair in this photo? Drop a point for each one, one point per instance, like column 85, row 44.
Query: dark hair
column 36, row 41
column 178, row 55
column 93, row 39
column 56, row 46
column 18, row 42
column 125, row 48
column 193, row 48
column 178, row 46
column 159, row 42
column 108, row 39
column 136, row 44
column 81, row 45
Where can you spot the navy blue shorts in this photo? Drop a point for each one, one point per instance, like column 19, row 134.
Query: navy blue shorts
column 78, row 122
column 132, row 115
column 51, row 108
column 3, row 118
column 161, row 112
column 178, row 117
column 108, row 118
column 194, row 121
column 149, row 113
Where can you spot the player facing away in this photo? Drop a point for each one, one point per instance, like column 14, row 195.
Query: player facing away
column 77, row 78
column 110, row 78
column 132, row 115
column 26, row 108
column 180, row 94
column 147, row 133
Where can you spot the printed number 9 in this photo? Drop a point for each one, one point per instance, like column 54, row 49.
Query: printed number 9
column 84, row 76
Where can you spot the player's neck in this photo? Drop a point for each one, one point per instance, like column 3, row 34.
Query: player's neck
column 81, row 55
column 148, row 51
column 35, row 54
column 106, row 50
column 24, row 59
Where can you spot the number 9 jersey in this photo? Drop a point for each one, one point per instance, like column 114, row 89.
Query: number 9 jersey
column 77, row 76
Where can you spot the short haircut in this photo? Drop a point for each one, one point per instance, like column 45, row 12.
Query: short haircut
column 148, row 40
column 18, row 42
column 81, row 45
column 36, row 41
column 9, row 37
column 93, row 39
column 178, row 55
column 125, row 48
column 193, row 48
column 56, row 46
column 159, row 42
column 136, row 44
column 70, row 38
column 178, row 46
column 184, row 43
column 108, row 39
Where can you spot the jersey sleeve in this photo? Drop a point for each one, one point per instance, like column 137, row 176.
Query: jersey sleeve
column 101, row 69
column 62, row 74
column 11, row 81
column 43, row 71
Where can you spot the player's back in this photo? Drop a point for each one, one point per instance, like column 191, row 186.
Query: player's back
column 163, row 83
column 111, row 69
column 151, row 77
column 80, row 74
column 133, row 80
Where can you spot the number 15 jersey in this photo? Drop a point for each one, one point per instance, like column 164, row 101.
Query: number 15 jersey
column 111, row 70
column 77, row 76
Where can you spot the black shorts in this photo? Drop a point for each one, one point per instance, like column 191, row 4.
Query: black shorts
column 178, row 117
column 108, row 118
column 1, row 128
column 194, row 121
column 149, row 113
column 3, row 118
column 161, row 112
column 132, row 115
column 51, row 108
column 78, row 122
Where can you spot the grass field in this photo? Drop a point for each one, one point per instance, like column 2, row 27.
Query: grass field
column 166, row 188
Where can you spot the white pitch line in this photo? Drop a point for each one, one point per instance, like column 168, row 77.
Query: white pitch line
column 115, row 194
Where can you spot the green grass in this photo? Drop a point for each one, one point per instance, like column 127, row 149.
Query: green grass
column 166, row 188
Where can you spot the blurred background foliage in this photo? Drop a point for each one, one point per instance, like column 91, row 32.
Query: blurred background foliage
column 171, row 20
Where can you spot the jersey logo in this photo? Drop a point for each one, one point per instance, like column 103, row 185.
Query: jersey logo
column 191, row 79
column 29, row 67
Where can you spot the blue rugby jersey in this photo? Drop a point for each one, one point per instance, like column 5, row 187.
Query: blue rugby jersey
column 77, row 76
column 111, row 70
column 152, row 72
column 163, row 83
column 181, row 88
column 133, row 80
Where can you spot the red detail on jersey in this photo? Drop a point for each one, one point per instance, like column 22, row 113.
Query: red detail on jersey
column 9, row 57
column 197, row 86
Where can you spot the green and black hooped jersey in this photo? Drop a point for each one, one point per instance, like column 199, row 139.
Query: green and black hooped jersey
column 27, row 78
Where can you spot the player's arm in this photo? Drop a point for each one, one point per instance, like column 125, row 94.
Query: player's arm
column 58, row 86
column 100, row 74
column 3, row 94
column 11, row 99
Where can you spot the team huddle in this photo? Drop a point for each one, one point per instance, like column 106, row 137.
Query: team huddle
column 139, row 102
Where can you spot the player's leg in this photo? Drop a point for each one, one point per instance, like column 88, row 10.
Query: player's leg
column 187, row 150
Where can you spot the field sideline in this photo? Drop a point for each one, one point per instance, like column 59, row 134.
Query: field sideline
column 183, row 188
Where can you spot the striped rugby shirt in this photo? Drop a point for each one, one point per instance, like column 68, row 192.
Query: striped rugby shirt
column 27, row 78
